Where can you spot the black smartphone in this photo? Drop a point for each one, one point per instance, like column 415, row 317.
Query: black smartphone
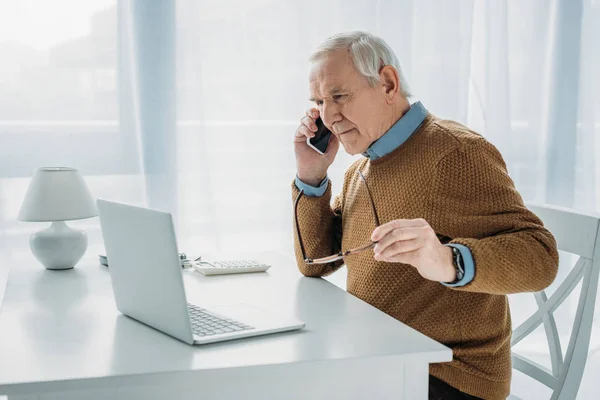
column 320, row 141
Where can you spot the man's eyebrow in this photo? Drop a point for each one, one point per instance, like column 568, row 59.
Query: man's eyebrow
column 337, row 89
column 333, row 91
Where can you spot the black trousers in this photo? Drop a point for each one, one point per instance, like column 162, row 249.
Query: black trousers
column 440, row 390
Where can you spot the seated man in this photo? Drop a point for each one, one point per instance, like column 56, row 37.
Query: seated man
column 455, row 236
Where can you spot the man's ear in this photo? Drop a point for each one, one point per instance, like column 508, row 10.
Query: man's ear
column 390, row 83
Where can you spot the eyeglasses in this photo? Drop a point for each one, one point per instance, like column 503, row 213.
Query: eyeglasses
column 341, row 254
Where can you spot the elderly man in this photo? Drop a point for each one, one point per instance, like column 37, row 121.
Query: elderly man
column 455, row 236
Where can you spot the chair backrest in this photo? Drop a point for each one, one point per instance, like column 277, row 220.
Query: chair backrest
column 576, row 233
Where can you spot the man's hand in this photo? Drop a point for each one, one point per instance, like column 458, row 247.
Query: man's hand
column 413, row 241
column 311, row 166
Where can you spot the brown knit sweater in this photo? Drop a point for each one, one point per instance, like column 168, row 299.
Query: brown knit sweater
column 457, row 181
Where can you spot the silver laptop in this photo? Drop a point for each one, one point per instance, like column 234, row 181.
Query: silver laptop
column 148, row 283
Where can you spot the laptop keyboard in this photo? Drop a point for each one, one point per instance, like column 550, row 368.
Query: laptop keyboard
column 205, row 324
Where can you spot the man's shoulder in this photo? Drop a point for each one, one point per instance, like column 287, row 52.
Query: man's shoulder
column 441, row 137
column 452, row 134
column 450, row 137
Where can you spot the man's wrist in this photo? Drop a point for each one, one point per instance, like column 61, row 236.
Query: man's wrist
column 312, row 180
column 448, row 266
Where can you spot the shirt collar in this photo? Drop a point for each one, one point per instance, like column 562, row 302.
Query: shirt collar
column 398, row 133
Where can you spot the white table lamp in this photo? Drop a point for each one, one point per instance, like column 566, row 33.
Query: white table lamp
column 58, row 194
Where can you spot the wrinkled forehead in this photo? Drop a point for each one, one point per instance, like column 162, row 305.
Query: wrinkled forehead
column 333, row 71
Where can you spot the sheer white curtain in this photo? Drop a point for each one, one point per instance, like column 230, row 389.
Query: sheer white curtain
column 521, row 73
column 190, row 105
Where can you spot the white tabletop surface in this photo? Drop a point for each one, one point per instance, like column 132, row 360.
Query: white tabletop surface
column 63, row 325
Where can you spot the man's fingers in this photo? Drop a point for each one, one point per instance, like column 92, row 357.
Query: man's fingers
column 305, row 130
column 386, row 228
column 309, row 123
column 396, row 235
column 302, row 133
column 408, row 257
column 398, row 248
column 313, row 113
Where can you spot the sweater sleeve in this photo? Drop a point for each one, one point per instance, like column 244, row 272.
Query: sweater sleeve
column 474, row 196
column 321, row 231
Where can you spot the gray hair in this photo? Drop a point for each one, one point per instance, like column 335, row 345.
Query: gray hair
column 369, row 54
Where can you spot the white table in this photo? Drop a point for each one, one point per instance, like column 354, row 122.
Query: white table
column 61, row 337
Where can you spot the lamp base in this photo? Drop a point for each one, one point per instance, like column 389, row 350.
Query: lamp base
column 59, row 246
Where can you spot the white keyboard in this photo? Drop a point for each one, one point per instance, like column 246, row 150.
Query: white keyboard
column 229, row 267
column 206, row 324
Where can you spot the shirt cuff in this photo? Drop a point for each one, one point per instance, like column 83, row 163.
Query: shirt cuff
column 313, row 191
column 469, row 265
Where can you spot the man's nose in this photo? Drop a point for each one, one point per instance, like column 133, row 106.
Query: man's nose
column 330, row 114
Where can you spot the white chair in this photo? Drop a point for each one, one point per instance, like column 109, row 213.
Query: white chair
column 575, row 233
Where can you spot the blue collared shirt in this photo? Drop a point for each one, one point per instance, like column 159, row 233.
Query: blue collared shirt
column 391, row 140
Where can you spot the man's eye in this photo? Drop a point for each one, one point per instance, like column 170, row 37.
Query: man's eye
column 339, row 97
column 319, row 102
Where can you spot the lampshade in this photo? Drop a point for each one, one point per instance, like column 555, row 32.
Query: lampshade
column 57, row 194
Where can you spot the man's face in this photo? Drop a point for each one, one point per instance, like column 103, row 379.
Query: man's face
column 351, row 108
